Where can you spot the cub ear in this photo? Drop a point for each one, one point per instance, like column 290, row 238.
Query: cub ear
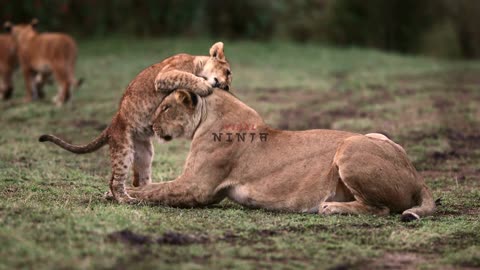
column 8, row 26
column 186, row 98
column 217, row 51
column 34, row 22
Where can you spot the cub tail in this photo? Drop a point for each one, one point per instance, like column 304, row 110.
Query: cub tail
column 94, row 145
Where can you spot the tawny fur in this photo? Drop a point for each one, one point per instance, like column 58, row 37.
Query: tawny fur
column 43, row 55
column 130, row 132
column 8, row 63
column 321, row 171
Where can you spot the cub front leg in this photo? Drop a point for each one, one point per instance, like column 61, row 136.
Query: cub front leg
column 6, row 86
column 174, row 79
column 29, row 84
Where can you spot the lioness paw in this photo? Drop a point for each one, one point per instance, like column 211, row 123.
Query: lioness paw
column 329, row 209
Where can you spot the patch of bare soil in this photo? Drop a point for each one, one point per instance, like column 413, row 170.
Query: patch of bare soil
column 241, row 238
column 129, row 237
column 169, row 238
column 310, row 112
column 397, row 261
column 460, row 239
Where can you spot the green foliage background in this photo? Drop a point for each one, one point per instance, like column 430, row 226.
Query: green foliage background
column 446, row 28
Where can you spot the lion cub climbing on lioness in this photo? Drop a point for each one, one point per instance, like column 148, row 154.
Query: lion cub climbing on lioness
column 130, row 132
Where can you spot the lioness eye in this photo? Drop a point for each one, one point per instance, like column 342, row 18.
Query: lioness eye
column 165, row 108
column 228, row 72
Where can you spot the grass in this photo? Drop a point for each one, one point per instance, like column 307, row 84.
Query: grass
column 52, row 214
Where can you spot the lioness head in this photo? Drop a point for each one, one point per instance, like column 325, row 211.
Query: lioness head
column 21, row 32
column 217, row 69
column 174, row 117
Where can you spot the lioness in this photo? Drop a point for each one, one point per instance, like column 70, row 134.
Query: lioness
column 317, row 171
column 130, row 132
column 8, row 63
column 41, row 55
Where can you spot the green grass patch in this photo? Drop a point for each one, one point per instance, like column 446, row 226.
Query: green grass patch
column 53, row 215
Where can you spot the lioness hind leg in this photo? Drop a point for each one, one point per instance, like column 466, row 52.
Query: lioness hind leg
column 142, row 162
column 354, row 207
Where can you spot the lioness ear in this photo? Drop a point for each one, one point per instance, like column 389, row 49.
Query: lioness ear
column 186, row 98
column 7, row 26
column 217, row 51
column 34, row 22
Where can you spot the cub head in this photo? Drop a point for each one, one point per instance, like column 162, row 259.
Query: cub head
column 217, row 69
column 21, row 32
column 175, row 116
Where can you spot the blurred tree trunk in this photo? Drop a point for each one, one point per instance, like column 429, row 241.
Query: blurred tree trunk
column 465, row 15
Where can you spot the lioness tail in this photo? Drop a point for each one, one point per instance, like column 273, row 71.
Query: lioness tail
column 94, row 145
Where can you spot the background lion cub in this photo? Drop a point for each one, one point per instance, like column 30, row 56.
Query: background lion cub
column 130, row 132
column 8, row 63
column 42, row 55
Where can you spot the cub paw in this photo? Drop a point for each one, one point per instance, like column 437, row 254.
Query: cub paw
column 203, row 88
column 126, row 199
column 57, row 101
column 121, row 198
column 108, row 196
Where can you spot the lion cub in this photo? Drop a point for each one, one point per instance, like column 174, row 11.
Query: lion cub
column 130, row 132
column 42, row 55
column 8, row 63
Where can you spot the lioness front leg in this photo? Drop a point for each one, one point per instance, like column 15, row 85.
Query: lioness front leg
column 174, row 79
column 175, row 193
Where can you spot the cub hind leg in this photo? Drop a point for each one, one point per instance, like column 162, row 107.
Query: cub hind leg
column 39, row 82
column 6, row 85
column 64, row 84
column 121, row 155
column 142, row 162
